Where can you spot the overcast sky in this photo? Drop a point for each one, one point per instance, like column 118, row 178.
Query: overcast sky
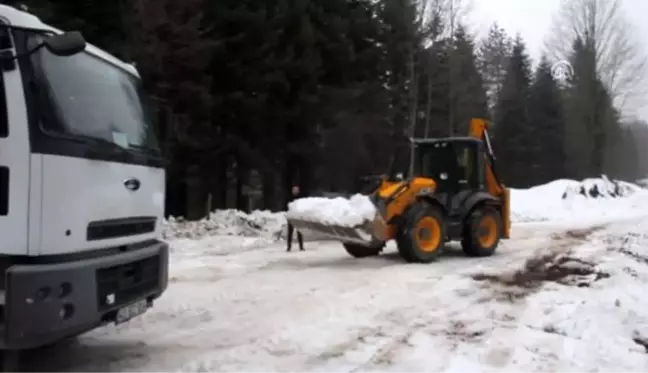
column 533, row 20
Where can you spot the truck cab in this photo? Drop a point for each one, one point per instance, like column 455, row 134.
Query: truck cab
column 81, row 188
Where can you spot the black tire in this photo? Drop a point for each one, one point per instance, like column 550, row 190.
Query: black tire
column 422, row 219
column 10, row 361
column 359, row 251
column 482, row 232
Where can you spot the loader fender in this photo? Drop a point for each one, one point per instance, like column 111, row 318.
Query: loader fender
column 430, row 199
column 475, row 200
column 433, row 200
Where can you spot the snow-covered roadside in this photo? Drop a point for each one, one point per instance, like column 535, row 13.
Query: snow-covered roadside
column 565, row 293
column 560, row 200
column 324, row 311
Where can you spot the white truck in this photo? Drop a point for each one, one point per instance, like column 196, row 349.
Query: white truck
column 81, row 187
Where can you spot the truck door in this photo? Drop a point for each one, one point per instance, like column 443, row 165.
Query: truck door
column 14, row 153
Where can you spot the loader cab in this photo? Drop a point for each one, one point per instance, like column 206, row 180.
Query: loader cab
column 399, row 162
column 456, row 164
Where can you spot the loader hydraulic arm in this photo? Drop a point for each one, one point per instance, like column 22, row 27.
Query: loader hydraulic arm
column 479, row 130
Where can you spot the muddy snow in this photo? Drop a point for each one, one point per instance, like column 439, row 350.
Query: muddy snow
column 566, row 292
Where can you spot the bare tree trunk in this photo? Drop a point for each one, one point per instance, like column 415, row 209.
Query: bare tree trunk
column 413, row 91
column 269, row 190
column 620, row 58
column 451, row 108
column 196, row 195
column 218, row 184
column 241, row 182
column 428, row 105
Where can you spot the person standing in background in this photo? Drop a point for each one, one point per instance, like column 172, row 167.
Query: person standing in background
column 295, row 193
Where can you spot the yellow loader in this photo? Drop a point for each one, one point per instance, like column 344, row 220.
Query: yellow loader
column 449, row 192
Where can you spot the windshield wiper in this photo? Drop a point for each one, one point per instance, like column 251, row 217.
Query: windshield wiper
column 144, row 149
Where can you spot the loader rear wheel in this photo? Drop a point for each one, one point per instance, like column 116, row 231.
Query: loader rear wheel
column 423, row 236
column 359, row 251
column 482, row 232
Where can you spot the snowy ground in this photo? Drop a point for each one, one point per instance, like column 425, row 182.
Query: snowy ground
column 566, row 293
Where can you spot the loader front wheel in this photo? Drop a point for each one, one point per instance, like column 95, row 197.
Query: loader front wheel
column 482, row 232
column 359, row 251
column 423, row 236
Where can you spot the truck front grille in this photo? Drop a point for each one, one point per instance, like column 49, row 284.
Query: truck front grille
column 113, row 228
column 124, row 283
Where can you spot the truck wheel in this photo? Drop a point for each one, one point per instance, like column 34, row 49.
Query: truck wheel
column 10, row 361
column 482, row 232
column 359, row 251
column 423, row 235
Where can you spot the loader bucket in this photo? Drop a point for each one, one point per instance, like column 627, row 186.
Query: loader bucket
column 366, row 234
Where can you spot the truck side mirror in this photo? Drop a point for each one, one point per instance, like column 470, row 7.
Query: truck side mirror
column 65, row 44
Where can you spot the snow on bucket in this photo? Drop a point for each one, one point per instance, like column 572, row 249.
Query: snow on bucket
column 347, row 220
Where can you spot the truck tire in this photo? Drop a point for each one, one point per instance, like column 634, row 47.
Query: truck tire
column 482, row 232
column 359, row 251
column 10, row 361
column 422, row 236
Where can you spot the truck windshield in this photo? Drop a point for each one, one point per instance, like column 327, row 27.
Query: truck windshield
column 93, row 98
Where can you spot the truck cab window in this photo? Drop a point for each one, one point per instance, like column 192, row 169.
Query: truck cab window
column 90, row 97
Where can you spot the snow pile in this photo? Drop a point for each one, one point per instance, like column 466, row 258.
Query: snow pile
column 333, row 211
column 564, row 200
column 559, row 200
column 226, row 223
column 601, row 188
column 642, row 183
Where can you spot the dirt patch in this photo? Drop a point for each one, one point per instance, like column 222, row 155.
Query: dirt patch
column 553, row 267
column 641, row 341
column 552, row 329
column 577, row 234
column 458, row 330
column 630, row 272
column 637, row 257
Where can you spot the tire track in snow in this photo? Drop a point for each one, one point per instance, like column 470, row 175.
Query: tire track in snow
column 397, row 340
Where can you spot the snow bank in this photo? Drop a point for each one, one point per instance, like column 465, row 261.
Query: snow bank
column 589, row 199
column 642, row 182
column 334, row 211
column 601, row 188
column 559, row 200
column 227, row 223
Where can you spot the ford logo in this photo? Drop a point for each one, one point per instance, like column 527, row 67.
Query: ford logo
column 132, row 184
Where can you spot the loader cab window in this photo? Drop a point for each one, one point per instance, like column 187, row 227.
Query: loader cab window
column 452, row 164
column 399, row 163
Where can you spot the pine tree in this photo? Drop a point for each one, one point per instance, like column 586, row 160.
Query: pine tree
column 511, row 136
column 401, row 38
column 468, row 96
column 546, row 126
column 172, row 53
column 101, row 22
column 592, row 121
column 493, row 55
column 435, row 83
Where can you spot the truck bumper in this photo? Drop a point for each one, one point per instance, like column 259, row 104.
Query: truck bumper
column 45, row 303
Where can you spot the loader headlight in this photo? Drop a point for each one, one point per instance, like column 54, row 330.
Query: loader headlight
column 426, row 190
